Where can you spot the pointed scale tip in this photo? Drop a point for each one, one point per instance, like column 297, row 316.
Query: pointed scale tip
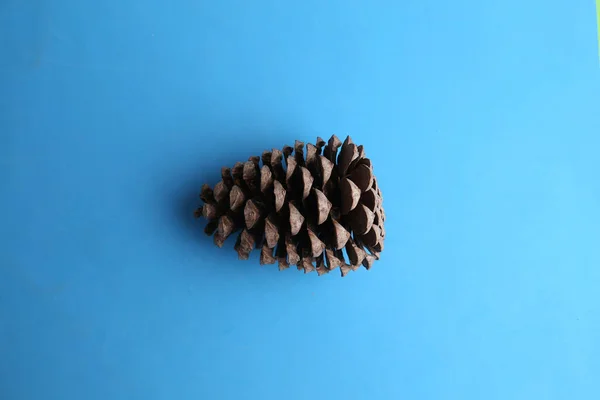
column 218, row 239
column 307, row 181
column 316, row 245
column 341, row 235
column 236, row 198
column 206, row 194
column 321, row 268
column 276, row 157
column 221, row 191
column 266, row 255
column 266, row 157
column 280, row 194
column 252, row 213
column 323, row 206
column 320, row 142
column 345, row 269
column 296, row 219
column 266, row 178
column 283, row 264
column 291, row 168
column 271, row 231
column 292, row 255
column 210, row 211
column 226, row 226
column 307, row 264
column 350, row 195
column 244, row 245
column 348, row 154
column 326, row 168
column 332, row 261
column 311, row 153
column 368, row 261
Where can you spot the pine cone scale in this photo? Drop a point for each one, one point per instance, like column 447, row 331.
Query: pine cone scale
column 237, row 198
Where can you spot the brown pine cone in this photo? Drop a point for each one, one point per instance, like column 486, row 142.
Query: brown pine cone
column 316, row 212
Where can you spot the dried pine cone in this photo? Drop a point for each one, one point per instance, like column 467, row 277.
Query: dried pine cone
column 315, row 213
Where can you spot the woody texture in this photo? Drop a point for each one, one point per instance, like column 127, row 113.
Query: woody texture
column 316, row 207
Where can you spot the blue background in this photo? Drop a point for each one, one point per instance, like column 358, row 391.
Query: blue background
column 482, row 120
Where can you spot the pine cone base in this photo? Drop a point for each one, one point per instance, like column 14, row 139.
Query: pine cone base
column 321, row 211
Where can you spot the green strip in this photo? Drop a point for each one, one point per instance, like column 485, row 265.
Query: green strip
column 598, row 24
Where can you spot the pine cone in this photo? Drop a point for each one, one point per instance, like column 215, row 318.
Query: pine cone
column 315, row 213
